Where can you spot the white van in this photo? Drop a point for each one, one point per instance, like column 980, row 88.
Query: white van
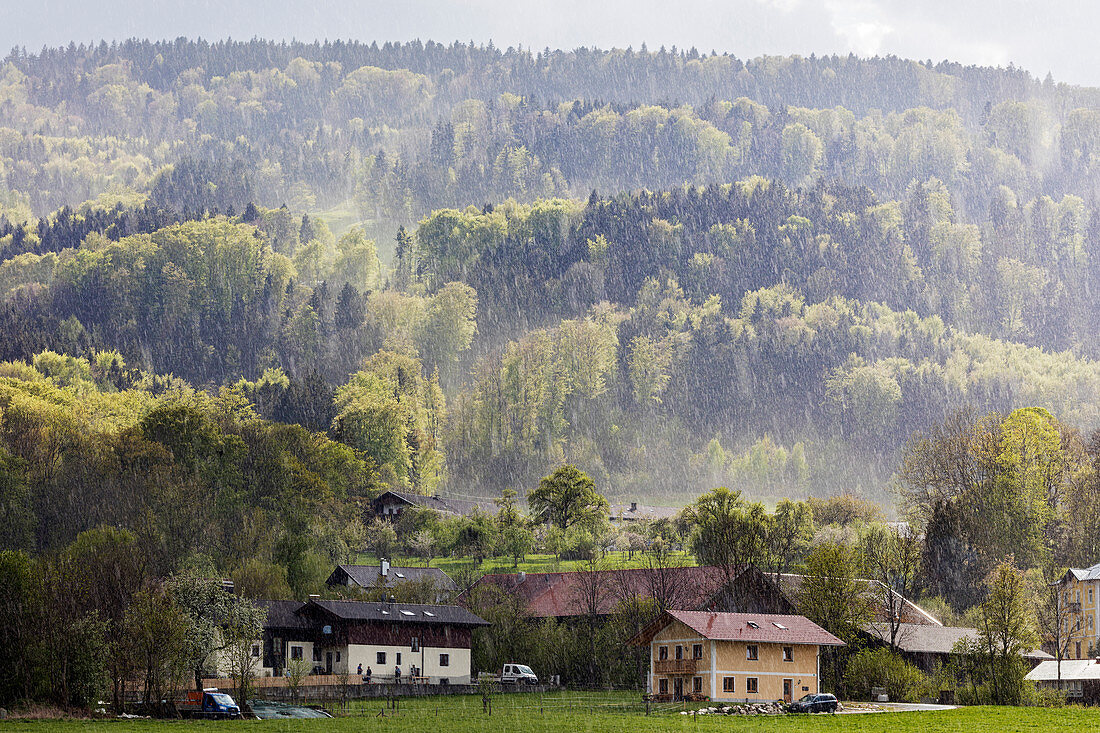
column 518, row 674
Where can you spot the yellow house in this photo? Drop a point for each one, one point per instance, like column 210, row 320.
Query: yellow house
column 1080, row 593
column 734, row 657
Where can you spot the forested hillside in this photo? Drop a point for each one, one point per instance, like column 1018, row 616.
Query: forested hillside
column 675, row 269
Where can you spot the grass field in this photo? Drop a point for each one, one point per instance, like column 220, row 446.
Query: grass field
column 531, row 564
column 577, row 712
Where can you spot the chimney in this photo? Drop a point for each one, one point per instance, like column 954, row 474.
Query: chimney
column 385, row 568
column 523, row 576
column 314, row 597
column 227, row 586
column 392, row 600
column 633, row 506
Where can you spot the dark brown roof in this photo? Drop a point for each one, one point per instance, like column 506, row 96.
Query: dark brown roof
column 559, row 595
column 755, row 627
column 283, row 615
column 398, row 613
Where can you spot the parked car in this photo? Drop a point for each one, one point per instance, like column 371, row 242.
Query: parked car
column 819, row 702
column 518, row 674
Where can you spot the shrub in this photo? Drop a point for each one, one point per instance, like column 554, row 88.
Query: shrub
column 882, row 668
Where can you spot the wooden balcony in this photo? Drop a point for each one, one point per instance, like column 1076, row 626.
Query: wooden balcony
column 674, row 666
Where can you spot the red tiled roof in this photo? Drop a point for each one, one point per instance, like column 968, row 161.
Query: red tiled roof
column 758, row 627
column 560, row 595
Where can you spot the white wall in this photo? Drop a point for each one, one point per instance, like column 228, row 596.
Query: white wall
column 427, row 659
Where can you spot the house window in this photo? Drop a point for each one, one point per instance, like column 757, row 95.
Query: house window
column 415, row 644
column 697, row 651
column 696, row 684
column 380, row 658
column 662, row 686
column 751, row 652
column 296, row 652
column 337, row 656
column 679, row 652
column 255, row 650
column 317, row 654
column 751, row 686
column 444, row 681
column 444, row 660
column 1078, row 650
column 728, row 684
column 788, row 654
column 1090, row 595
column 662, row 653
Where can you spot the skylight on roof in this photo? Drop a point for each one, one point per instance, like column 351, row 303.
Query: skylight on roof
column 407, row 613
column 778, row 625
column 753, row 625
column 387, row 613
column 429, row 613
column 400, row 575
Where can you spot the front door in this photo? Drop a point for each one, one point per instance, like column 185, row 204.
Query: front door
column 328, row 662
column 786, row 690
column 678, row 688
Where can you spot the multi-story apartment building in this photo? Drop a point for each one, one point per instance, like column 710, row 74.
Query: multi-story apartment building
column 1079, row 596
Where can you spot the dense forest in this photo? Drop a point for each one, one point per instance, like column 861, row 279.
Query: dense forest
column 770, row 271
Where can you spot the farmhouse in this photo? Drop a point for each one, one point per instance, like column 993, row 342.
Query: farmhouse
column 390, row 504
column 635, row 512
column 569, row 595
column 733, row 657
column 334, row 637
column 744, row 589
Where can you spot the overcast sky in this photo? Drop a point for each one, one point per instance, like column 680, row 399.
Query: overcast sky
column 1039, row 36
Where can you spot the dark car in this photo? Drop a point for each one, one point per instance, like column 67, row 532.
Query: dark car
column 821, row 702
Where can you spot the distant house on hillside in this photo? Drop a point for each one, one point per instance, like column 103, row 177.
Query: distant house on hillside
column 733, row 657
column 635, row 512
column 382, row 575
column 390, row 504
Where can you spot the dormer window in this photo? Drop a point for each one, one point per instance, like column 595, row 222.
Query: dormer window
column 753, row 625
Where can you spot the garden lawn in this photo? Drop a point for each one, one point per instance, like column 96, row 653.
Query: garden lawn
column 532, row 563
column 592, row 713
